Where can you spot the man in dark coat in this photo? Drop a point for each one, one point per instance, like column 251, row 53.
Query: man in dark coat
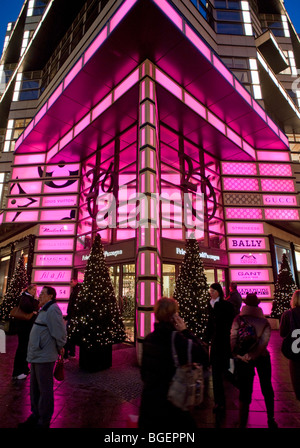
column 235, row 298
column 70, row 347
column 220, row 319
column 29, row 304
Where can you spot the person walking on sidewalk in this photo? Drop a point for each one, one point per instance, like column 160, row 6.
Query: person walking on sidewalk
column 234, row 298
column 255, row 355
column 290, row 320
column 29, row 304
column 46, row 341
column 220, row 319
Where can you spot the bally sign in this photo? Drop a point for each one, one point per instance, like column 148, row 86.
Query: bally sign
column 242, row 275
column 249, row 243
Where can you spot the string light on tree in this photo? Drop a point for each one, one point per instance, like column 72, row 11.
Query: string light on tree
column 97, row 320
column 17, row 284
column 284, row 289
column 191, row 291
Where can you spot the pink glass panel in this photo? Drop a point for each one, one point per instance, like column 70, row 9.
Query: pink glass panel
column 249, row 149
column 73, row 72
column 19, row 201
column 170, row 85
column 272, row 125
column 123, row 234
column 152, row 321
column 249, row 275
column 248, row 258
column 276, row 156
column 285, row 185
column 284, row 138
column 222, row 69
column 29, row 159
column 174, row 234
column 251, row 243
column 195, row 105
column 53, row 275
column 243, row 213
column 234, row 137
column 243, row 92
column 51, row 153
column 142, row 324
column 95, row 45
column 259, row 110
column 22, row 217
column 55, row 244
column 277, row 199
column 55, row 187
column 240, row 184
column 142, row 298
column 152, row 262
column 55, row 95
column 54, row 260
column 120, row 14
column 248, row 228
column 102, row 106
column 56, row 215
column 170, row 12
column 278, row 214
column 195, row 39
column 268, row 169
column 29, row 128
column 26, row 172
column 126, row 84
column 82, row 124
column 66, row 139
column 40, row 114
column 57, row 229
column 216, row 122
column 62, row 292
column 262, row 291
column 59, row 201
column 244, row 169
column 152, row 298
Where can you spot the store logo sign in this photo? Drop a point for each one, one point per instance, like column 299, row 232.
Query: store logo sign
column 245, row 228
column 261, row 291
column 241, row 275
column 251, row 243
column 278, row 199
column 248, row 259
column 180, row 251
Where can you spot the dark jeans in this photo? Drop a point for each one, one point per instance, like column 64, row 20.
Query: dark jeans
column 20, row 363
column 41, row 392
column 245, row 374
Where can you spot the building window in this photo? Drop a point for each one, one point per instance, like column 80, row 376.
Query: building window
column 279, row 251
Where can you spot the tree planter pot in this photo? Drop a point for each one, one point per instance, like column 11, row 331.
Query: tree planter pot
column 96, row 359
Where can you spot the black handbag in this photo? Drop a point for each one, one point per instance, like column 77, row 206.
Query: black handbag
column 289, row 347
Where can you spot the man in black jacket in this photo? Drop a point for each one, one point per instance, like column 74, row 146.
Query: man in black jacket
column 70, row 347
column 29, row 304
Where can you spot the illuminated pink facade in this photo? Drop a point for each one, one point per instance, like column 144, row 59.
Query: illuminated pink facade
column 158, row 145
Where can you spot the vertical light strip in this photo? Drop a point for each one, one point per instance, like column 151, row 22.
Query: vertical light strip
column 255, row 79
column 247, row 18
column 285, row 25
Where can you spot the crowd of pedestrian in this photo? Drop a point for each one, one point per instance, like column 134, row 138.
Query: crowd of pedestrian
column 43, row 337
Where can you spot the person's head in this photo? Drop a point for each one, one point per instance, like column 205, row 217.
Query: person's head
column 252, row 300
column 165, row 308
column 47, row 293
column 233, row 287
column 73, row 282
column 295, row 300
column 31, row 289
column 216, row 290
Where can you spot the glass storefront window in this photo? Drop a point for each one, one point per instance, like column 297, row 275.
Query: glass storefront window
column 279, row 251
column 169, row 280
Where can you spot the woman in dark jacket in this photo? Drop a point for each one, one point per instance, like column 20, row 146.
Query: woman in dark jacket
column 158, row 368
column 290, row 320
column 29, row 304
column 221, row 314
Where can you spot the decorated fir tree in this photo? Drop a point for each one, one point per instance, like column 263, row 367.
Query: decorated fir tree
column 284, row 289
column 17, row 284
column 97, row 321
column 191, row 290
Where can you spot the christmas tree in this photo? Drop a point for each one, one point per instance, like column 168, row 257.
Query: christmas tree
column 17, row 284
column 191, row 290
column 97, row 320
column 284, row 289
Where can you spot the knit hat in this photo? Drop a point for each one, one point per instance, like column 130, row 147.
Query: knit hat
column 252, row 300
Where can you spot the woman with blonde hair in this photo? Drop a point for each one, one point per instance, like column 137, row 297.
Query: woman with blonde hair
column 157, row 368
column 290, row 321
